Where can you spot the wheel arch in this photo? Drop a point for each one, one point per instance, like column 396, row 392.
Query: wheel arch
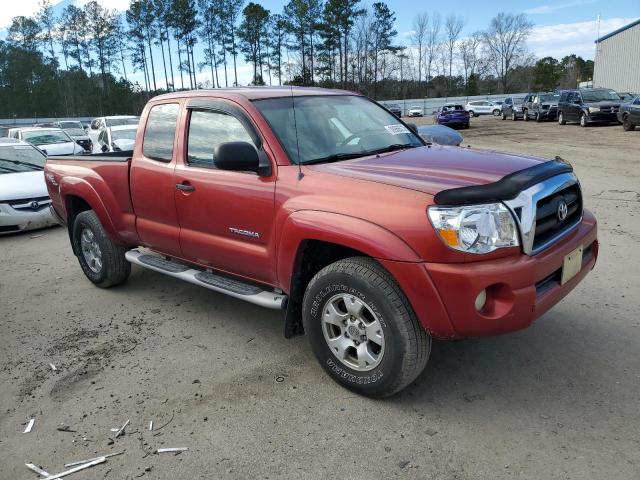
column 308, row 244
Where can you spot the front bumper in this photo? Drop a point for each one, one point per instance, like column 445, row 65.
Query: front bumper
column 598, row 117
column 519, row 289
column 12, row 220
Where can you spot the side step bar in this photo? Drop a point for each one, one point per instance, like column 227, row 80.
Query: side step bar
column 204, row 278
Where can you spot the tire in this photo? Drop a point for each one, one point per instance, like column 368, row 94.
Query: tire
column 584, row 122
column 627, row 124
column 404, row 346
column 112, row 267
column 496, row 113
column 525, row 115
column 514, row 115
column 561, row 120
column 538, row 117
column 472, row 113
column 504, row 116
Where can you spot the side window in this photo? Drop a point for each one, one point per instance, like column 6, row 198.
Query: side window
column 207, row 130
column 507, row 101
column 160, row 132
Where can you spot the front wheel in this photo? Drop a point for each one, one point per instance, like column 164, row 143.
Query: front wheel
column 472, row 113
column 362, row 329
column 525, row 115
column 514, row 116
column 538, row 117
column 496, row 113
column 584, row 121
column 627, row 124
column 102, row 261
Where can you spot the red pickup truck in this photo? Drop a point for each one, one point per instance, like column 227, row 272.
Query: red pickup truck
column 323, row 204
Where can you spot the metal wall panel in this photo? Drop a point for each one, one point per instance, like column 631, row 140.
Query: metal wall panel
column 617, row 63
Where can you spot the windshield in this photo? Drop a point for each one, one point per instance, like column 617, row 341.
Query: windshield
column 549, row 98
column 599, row 95
column 334, row 127
column 123, row 135
column 45, row 137
column 20, row 158
column 70, row 125
column 116, row 122
column 517, row 100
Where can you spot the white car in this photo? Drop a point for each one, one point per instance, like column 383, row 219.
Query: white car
column 77, row 132
column 98, row 124
column 483, row 107
column 117, row 139
column 52, row 141
column 24, row 200
column 416, row 111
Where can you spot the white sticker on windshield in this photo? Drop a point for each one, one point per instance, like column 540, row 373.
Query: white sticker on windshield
column 396, row 129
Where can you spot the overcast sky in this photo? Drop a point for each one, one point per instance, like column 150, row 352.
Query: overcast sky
column 561, row 27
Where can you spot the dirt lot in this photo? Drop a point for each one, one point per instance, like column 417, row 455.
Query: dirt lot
column 559, row 400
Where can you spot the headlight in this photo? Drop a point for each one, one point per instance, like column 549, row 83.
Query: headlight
column 476, row 228
column 594, row 109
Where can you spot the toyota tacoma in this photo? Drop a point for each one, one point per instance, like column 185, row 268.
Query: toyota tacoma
column 324, row 205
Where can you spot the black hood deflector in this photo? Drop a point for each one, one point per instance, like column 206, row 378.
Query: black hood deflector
column 506, row 188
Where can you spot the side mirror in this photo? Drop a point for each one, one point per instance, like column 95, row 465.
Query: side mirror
column 104, row 149
column 237, row 156
column 413, row 127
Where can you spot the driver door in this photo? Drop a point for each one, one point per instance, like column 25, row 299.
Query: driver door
column 226, row 217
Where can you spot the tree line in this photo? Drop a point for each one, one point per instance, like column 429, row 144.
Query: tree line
column 80, row 62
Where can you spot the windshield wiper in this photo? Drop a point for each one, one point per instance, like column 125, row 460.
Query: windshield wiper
column 18, row 162
column 335, row 157
column 391, row 148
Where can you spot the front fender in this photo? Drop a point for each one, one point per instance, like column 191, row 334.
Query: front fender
column 366, row 237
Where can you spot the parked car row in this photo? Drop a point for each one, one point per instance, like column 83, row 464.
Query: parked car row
column 24, row 200
column 585, row 107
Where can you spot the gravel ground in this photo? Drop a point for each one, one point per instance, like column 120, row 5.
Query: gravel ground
column 558, row 400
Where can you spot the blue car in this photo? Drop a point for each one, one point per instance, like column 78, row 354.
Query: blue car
column 452, row 115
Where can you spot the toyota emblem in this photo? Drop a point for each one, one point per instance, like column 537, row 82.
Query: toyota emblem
column 562, row 211
column 34, row 205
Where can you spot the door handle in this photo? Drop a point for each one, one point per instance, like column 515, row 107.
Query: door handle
column 185, row 187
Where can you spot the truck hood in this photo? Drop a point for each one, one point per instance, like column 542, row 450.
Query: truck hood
column 431, row 169
column 18, row 186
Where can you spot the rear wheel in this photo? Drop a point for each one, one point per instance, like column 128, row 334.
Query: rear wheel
column 525, row 115
column 561, row 120
column 362, row 329
column 496, row 113
column 101, row 260
column 627, row 124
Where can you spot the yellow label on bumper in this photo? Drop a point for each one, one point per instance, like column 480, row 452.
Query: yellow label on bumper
column 571, row 265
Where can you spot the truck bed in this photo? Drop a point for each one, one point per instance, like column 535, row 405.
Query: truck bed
column 102, row 181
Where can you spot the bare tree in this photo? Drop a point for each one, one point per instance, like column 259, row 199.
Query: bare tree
column 452, row 28
column 419, row 37
column 470, row 54
column 505, row 43
column 431, row 51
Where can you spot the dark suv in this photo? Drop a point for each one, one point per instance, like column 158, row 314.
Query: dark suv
column 589, row 105
column 541, row 106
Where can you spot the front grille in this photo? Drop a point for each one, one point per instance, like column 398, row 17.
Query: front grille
column 609, row 109
column 548, row 223
column 34, row 204
column 86, row 144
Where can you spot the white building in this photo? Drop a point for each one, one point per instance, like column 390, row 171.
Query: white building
column 617, row 62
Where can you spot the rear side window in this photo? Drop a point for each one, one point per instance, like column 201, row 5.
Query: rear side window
column 207, row 130
column 160, row 132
